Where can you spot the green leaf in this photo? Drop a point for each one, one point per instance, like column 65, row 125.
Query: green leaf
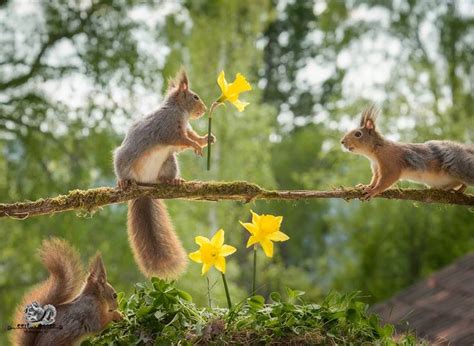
column 256, row 302
column 185, row 295
column 144, row 310
column 275, row 296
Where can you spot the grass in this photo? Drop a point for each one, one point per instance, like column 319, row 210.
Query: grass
column 158, row 313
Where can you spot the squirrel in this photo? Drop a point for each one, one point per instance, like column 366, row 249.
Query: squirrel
column 443, row 165
column 148, row 155
column 82, row 306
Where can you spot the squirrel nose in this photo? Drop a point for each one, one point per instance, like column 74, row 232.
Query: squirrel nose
column 342, row 141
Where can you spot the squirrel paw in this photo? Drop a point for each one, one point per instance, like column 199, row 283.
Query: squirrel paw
column 124, row 184
column 361, row 186
column 198, row 150
column 203, row 142
column 213, row 139
column 173, row 181
column 368, row 193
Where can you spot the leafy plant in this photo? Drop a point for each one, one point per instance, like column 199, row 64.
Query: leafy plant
column 159, row 313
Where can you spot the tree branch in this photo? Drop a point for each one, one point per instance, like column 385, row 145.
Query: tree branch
column 90, row 200
column 53, row 38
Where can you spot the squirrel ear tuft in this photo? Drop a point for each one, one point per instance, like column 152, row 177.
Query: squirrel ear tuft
column 183, row 83
column 97, row 270
column 369, row 115
column 171, row 83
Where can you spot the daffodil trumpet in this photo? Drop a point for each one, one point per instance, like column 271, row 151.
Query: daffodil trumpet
column 229, row 92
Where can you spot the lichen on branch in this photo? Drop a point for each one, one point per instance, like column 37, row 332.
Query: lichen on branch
column 89, row 200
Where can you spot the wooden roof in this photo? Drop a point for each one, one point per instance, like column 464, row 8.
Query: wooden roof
column 439, row 308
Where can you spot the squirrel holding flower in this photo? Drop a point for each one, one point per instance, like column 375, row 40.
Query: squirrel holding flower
column 444, row 164
column 148, row 155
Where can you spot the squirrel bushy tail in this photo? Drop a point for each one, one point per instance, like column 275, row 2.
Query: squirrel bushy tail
column 465, row 169
column 156, row 248
column 457, row 159
column 63, row 284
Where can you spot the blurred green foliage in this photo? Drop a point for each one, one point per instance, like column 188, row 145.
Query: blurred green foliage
column 73, row 76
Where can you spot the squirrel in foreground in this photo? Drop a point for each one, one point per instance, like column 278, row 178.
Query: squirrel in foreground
column 148, row 155
column 443, row 165
column 82, row 307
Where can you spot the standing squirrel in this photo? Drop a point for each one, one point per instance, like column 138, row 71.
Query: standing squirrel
column 148, row 155
column 443, row 165
column 82, row 307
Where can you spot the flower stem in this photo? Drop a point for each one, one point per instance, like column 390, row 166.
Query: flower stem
column 254, row 269
column 209, row 292
column 214, row 105
column 209, row 142
column 229, row 303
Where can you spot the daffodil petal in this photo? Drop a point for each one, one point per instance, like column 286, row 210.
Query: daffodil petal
column 267, row 247
column 279, row 220
column 252, row 240
column 196, row 256
column 205, row 268
column 220, row 264
column 222, row 82
column 255, row 217
column 239, row 85
column 249, row 227
column 227, row 250
column 240, row 105
column 201, row 240
column 278, row 236
column 218, row 238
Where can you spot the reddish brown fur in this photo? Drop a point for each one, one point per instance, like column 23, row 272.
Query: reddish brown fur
column 440, row 164
column 66, row 274
column 79, row 312
column 156, row 247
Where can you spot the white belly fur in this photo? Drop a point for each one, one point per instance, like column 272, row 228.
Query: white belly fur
column 147, row 170
column 436, row 180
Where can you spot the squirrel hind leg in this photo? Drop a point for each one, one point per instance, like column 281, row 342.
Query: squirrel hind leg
column 169, row 172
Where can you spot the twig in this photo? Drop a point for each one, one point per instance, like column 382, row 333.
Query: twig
column 92, row 199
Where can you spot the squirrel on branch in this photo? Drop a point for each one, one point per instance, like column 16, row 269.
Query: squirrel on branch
column 83, row 307
column 444, row 165
column 148, row 155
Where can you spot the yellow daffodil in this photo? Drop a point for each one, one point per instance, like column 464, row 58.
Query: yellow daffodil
column 212, row 252
column 231, row 91
column 265, row 229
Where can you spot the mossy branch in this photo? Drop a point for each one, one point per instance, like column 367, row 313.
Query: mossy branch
column 89, row 200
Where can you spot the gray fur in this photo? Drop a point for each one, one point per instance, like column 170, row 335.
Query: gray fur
column 77, row 319
column 162, row 126
column 156, row 248
column 454, row 158
column 170, row 168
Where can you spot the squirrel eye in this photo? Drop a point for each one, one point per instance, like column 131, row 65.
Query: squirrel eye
column 358, row 134
column 196, row 97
